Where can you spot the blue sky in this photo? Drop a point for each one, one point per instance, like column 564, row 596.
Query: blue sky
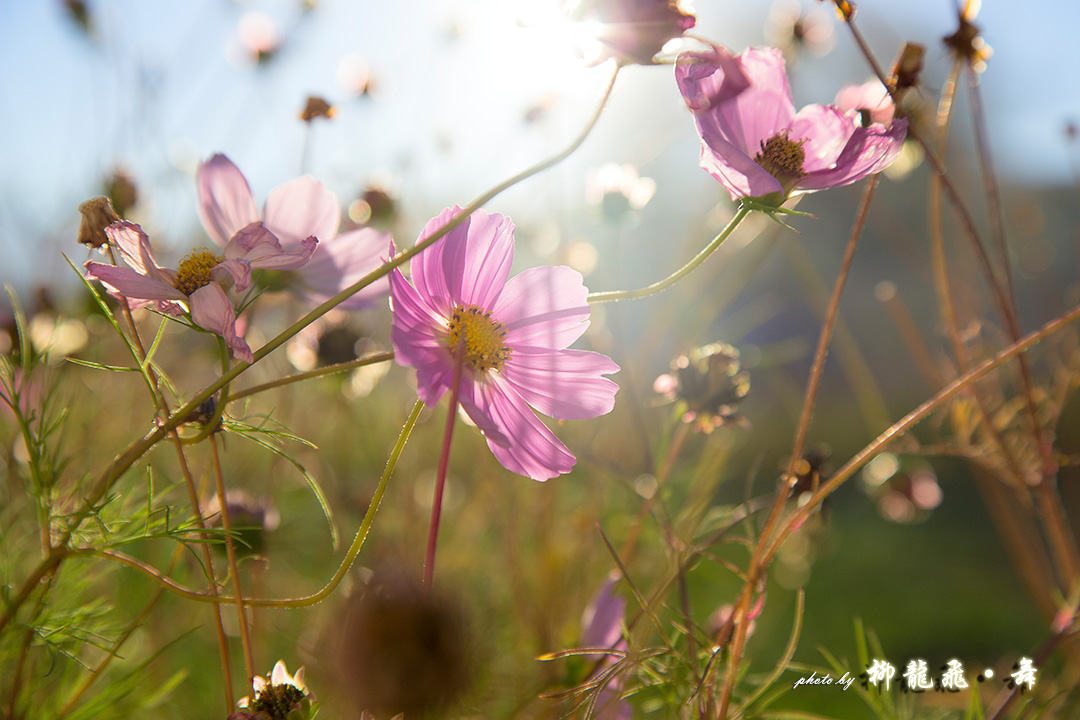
column 157, row 89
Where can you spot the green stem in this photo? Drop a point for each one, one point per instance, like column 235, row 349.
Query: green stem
column 308, row 600
column 139, row 448
column 319, row 372
column 617, row 295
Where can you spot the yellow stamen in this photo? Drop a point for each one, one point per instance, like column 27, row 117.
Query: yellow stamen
column 194, row 270
column 783, row 158
column 483, row 338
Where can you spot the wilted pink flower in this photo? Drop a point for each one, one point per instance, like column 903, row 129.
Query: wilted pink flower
column 634, row 31
column 871, row 98
column 755, row 143
column 294, row 211
column 196, row 283
column 512, row 337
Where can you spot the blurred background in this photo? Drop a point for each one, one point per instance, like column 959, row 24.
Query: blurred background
column 435, row 102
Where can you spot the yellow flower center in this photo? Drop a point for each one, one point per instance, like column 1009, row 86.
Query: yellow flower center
column 482, row 337
column 194, row 270
column 782, row 158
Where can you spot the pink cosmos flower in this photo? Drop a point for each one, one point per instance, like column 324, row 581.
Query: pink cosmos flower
column 195, row 287
column 512, row 337
column 293, row 211
column 754, row 142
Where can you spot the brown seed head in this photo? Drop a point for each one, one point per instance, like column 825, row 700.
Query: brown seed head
column 316, row 107
column 97, row 214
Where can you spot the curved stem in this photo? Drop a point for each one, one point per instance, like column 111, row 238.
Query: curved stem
column 308, row 600
column 908, row 421
column 756, row 566
column 1050, row 507
column 318, row 372
column 140, row 447
column 661, row 285
column 230, row 552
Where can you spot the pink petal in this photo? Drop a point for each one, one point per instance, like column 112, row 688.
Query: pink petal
column 473, row 399
column 130, row 284
column 872, row 97
column 707, row 79
column 433, row 375
column 534, row 451
column 417, row 327
column 248, row 238
column 603, row 618
column 481, row 266
column 133, row 243
column 736, row 171
column 826, row 131
column 732, row 130
column 341, row 262
column 225, row 200
column 870, row 150
column 271, row 257
column 211, row 310
column 239, row 270
column 566, row 384
column 765, row 107
column 300, row 208
column 428, row 275
column 467, row 266
column 544, row 306
column 756, row 113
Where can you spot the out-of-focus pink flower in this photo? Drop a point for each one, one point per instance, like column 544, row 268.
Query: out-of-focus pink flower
column 757, row 146
column 871, row 98
column 602, row 627
column 511, row 337
column 296, row 210
column 634, row 31
column 196, row 285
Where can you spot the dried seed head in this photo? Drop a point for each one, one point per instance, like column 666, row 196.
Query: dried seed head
column 908, row 67
column 711, row 383
column 97, row 214
column 316, row 107
column 122, row 191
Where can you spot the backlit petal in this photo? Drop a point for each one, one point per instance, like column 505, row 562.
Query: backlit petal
column 342, row 261
column 211, row 310
column 544, row 306
column 565, row 384
column 826, row 131
column 130, row 284
column 300, row 208
column 868, row 151
column 225, row 200
column 533, row 451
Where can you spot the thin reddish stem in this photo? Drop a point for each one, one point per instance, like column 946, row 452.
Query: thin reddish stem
column 757, row 567
column 440, row 478
column 230, row 552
